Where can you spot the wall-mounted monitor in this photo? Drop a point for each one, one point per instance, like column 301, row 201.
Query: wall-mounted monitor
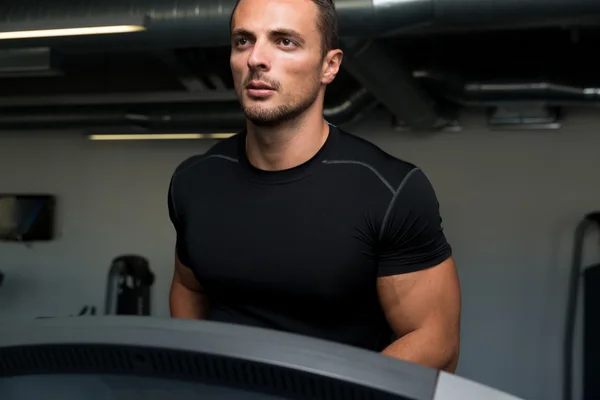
column 27, row 217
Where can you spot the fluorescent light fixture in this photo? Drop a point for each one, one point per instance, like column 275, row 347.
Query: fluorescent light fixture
column 162, row 136
column 92, row 30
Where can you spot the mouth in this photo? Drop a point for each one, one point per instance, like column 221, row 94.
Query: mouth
column 257, row 85
column 259, row 89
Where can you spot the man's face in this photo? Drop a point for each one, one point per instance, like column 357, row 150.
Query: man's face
column 276, row 58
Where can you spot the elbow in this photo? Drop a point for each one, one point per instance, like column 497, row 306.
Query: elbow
column 451, row 355
column 450, row 345
column 444, row 348
column 452, row 363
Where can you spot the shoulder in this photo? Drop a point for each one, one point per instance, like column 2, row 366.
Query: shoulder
column 224, row 152
column 390, row 170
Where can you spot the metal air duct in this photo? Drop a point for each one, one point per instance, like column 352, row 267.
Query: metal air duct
column 460, row 90
column 206, row 23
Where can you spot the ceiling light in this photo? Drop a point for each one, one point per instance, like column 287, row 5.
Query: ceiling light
column 164, row 136
column 92, row 30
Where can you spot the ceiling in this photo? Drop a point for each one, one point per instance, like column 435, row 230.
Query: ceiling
column 522, row 75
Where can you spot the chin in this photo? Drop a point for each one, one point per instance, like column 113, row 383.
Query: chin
column 262, row 117
column 269, row 112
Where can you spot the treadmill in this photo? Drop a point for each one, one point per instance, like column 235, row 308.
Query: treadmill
column 149, row 358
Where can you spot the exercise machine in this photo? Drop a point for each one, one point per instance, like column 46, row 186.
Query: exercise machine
column 128, row 290
column 591, row 323
column 131, row 357
column 128, row 287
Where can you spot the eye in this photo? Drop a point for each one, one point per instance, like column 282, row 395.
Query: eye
column 241, row 41
column 286, row 42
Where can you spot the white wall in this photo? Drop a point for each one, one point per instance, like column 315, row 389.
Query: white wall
column 510, row 202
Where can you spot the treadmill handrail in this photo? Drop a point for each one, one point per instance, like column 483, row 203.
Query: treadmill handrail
column 316, row 356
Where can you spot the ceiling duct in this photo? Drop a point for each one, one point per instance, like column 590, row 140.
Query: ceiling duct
column 463, row 91
column 205, row 23
column 385, row 75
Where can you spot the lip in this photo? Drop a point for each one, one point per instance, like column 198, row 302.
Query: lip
column 259, row 90
column 260, row 93
column 258, row 85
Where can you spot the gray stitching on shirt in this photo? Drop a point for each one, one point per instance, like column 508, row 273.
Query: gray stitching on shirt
column 393, row 200
column 381, row 178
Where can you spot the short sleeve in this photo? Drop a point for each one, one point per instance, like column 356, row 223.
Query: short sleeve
column 412, row 237
column 174, row 216
column 171, row 204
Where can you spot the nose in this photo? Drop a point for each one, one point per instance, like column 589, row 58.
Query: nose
column 259, row 57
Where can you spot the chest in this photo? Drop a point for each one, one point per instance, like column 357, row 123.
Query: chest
column 289, row 242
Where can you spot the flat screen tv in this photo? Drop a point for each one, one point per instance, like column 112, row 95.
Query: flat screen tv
column 27, row 217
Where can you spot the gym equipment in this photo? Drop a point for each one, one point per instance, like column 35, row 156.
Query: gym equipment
column 130, row 357
column 128, row 289
column 591, row 278
column 591, row 333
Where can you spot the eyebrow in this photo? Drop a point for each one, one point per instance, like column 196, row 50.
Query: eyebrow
column 286, row 32
column 275, row 32
column 241, row 32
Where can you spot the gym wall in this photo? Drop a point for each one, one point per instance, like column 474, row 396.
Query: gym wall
column 510, row 202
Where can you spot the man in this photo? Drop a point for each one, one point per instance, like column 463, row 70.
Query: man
column 295, row 225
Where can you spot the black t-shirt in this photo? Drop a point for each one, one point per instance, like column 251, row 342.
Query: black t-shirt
column 300, row 250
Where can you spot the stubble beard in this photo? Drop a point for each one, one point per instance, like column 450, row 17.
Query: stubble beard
column 265, row 116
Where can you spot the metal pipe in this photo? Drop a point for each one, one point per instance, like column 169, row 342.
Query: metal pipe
column 588, row 221
column 458, row 90
column 206, row 22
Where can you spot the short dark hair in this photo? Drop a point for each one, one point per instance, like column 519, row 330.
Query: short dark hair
column 327, row 23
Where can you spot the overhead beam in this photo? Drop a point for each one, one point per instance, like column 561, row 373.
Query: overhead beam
column 119, row 98
column 184, row 74
column 217, row 82
column 179, row 117
column 391, row 83
column 28, row 62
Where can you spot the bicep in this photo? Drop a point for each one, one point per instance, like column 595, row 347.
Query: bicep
column 425, row 298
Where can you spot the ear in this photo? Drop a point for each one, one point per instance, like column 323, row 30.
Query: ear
column 331, row 65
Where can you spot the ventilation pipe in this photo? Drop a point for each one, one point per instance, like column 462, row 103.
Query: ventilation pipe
column 460, row 90
column 205, row 23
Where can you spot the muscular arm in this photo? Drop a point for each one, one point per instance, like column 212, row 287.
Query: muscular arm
column 423, row 309
column 187, row 299
column 418, row 285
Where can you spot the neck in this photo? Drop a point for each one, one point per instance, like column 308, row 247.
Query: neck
column 286, row 145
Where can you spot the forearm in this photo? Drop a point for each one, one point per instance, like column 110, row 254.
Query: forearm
column 187, row 304
column 423, row 347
